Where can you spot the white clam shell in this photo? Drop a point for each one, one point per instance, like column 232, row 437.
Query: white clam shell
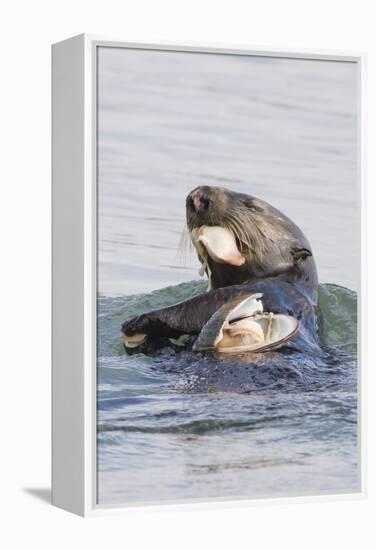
column 134, row 341
column 219, row 243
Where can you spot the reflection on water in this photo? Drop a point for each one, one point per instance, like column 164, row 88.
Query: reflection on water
column 176, row 427
column 281, row 129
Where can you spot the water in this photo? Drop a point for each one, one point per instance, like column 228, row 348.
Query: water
column 174, row 427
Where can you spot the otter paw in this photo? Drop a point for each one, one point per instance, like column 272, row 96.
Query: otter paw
column 135, row 331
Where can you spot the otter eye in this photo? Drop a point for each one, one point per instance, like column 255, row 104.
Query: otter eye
column 252, row 206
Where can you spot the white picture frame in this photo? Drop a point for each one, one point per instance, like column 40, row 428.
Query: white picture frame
column 74, row 214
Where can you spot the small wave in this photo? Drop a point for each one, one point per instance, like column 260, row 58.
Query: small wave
column 193, row 427
column 338, row 306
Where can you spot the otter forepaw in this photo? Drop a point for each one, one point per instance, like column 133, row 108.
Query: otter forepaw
column 136, row 331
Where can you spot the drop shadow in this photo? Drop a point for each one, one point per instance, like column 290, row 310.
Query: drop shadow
column 41, row 493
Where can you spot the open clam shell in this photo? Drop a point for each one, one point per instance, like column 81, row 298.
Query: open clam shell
column 245, row 327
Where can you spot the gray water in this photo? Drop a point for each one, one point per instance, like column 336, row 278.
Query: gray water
column 170, row 428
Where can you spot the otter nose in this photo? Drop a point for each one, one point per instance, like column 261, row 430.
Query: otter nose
column 196, row 198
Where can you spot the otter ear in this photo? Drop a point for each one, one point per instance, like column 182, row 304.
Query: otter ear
column 300, row 254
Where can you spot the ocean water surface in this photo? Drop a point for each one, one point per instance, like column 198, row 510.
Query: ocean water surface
column 177, row 427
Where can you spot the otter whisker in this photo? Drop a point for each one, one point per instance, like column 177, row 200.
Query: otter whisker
column 185, row 246
column 247, row 230
column 236, row 226
column 238, row 233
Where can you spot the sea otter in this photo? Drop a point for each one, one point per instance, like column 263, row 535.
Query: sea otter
column 262, row 282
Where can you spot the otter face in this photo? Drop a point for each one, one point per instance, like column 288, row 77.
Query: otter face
column 244, row 216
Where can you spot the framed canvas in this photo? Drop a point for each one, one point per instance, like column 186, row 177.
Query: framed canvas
column 207, row 284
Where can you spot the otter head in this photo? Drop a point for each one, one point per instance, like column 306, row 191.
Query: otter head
column 270, row 243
